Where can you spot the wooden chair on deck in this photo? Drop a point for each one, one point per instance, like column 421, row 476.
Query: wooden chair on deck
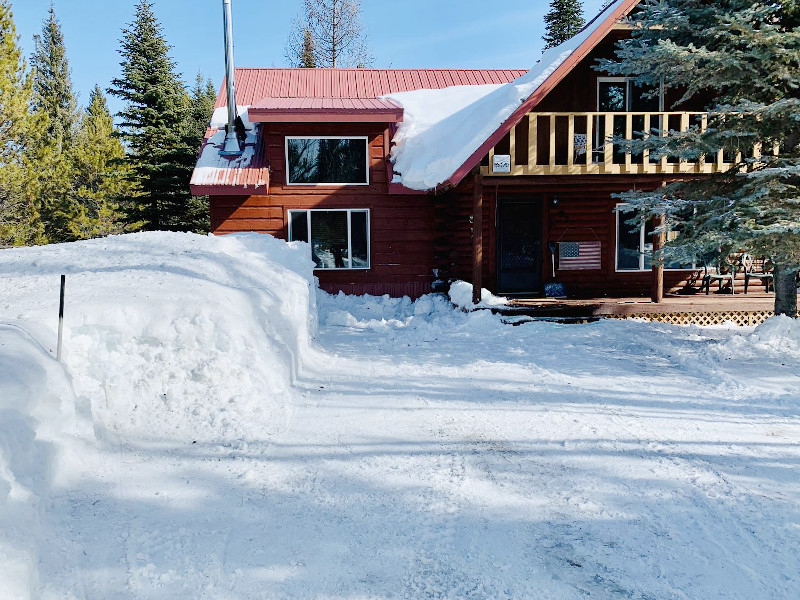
column 722, row 270
column 750, row 272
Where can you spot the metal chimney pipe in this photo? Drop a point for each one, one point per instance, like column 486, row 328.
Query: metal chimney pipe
column 232, row 146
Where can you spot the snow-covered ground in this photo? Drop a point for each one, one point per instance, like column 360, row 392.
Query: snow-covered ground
column 218, row 432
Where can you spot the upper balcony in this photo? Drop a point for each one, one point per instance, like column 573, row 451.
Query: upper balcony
column 555, row 143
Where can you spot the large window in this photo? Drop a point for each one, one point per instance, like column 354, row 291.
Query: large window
column 339, row 238
column 327, row 161
column 635, row 245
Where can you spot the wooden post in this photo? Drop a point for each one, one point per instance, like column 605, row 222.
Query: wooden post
column 61, row 319
column 477, row 238
column 657, row 294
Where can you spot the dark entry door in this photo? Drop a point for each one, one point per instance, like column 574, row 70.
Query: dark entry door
column 519, row 246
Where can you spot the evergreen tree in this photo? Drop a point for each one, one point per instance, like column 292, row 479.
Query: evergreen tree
column 18, row 128
column 563, row 22
column 101, row 178
column 307, row 60
column 329, row 34
column 153, row 124
column 746, row 55
column 52, row 84
column 202, row 99
column 54, row 100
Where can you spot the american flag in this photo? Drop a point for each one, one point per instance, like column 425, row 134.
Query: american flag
column 579, row 256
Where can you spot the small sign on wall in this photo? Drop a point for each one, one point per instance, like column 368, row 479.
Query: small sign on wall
column 501, row 163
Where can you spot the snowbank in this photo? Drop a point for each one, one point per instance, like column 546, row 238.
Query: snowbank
column 38, row 421
column 777, row 338
column 461, row 295
column 381, row 313
column 173, row 334
column 441, row 129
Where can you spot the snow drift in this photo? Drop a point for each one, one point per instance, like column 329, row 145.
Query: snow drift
column 38, row 421
column 173, row 334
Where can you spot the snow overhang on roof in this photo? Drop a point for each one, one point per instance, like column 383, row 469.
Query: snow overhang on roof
column 218, row 175
column 325, row 110
column 444, row 135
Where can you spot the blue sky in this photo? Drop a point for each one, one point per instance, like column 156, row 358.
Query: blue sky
column 402, row 33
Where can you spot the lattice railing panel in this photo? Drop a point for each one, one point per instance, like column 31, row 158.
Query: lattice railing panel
column 737, row 317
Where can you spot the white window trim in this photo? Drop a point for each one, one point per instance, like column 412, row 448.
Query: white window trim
column 349, row 212
column 642, row 237
column 324, row 137
column 628, row 80
column 611, row 80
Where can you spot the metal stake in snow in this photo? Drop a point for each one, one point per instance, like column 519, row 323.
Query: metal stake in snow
column 232, row 146
column 61, row 318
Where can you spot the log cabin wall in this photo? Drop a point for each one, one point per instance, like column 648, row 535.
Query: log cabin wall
column 402, row 227
column 584, row 212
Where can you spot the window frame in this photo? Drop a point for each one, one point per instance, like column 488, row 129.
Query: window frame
column 349, row 212
column 324, row 137
column 628, row 81
column 642, row 237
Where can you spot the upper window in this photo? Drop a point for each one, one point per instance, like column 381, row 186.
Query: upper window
column 621, row 94
column 327, row 160
column 339, row 239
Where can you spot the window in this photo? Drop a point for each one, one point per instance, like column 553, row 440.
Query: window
column 635, row 245
column 621, row 95
column 339, row 238
column 327, row 160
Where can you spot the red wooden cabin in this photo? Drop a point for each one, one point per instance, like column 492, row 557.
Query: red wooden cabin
column 317, row 167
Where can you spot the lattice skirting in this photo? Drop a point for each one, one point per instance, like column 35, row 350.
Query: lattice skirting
column 737, row 317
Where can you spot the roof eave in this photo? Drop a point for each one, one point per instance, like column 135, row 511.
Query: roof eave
column 228, row 190
column 324, row 116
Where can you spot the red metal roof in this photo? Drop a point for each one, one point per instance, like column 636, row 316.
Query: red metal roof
column 253, row 85
column 325, row 110
column 300, row 90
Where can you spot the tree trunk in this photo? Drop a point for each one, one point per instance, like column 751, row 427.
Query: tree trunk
column 786, row 290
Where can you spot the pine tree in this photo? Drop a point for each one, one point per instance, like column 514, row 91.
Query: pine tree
column 746, row 55
column 328, row 34
column 307, row 60
column 18, row 128
column 202, row 99
column 54, row 100
column 101, row 179
column 52, row 85
column 153, row 124
column 563, row 21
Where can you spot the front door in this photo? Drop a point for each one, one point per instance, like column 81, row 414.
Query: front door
column 519, row 246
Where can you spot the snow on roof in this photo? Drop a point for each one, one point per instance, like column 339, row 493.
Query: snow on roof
column 443, row 128
column 218, row 174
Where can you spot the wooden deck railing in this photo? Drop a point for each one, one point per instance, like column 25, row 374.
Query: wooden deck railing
column 581, row 144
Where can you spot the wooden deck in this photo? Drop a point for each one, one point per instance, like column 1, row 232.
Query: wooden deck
column 750, row 309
